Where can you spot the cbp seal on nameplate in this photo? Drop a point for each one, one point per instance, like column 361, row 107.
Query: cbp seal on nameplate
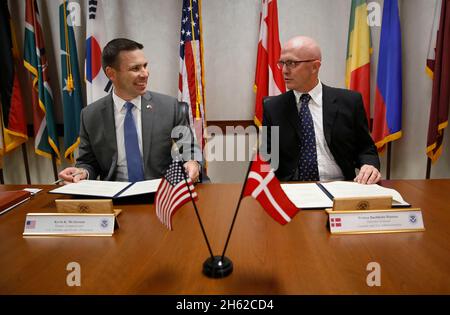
column 104, row 224
column 363, row 205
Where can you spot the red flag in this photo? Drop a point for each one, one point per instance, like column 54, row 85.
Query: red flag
column 172, row 193
column 269, row 77
column 13, row 125
column 441, row 83
column 431, row 56
column 263, row 186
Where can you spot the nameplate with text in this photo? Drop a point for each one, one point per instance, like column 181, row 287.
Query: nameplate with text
column 69, row 224
column 375, row 221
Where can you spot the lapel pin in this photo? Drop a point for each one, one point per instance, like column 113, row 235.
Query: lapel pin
column 149, row 106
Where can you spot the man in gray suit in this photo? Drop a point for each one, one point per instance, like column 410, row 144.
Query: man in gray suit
column 153, row 122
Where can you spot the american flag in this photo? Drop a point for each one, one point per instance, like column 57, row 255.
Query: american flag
column 173, row 192
column 191, row 81
column 31, row 224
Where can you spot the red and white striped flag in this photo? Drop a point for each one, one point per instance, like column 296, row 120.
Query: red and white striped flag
column 173, row 192
column 191, row 82
column 263, row 186
column 269, row 77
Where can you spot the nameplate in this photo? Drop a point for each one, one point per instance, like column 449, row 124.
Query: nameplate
column 69, row 224
column 375, row 221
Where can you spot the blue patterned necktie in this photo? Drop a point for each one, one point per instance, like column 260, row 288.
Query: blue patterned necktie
column 307, row 164
column 134, row 160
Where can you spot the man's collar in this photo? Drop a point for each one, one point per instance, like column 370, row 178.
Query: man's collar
column 315, row 93
column 120, row 102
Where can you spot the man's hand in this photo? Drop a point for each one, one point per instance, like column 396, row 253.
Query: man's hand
column 72, row 175
column 193, row 169
column 368, row 174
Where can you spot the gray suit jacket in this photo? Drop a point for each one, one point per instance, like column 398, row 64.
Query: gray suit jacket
column 160, row 114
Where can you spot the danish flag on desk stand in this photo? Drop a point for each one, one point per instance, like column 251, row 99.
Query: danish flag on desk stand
column 263, row 186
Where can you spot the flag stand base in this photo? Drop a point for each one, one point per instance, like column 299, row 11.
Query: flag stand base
column 217, row 268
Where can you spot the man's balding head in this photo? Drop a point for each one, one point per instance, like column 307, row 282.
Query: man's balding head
column 305, row 56
column 304, row 46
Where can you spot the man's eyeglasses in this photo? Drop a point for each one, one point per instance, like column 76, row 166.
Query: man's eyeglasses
column 292, row 63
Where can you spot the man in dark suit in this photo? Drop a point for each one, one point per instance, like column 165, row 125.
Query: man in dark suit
column 323, row 132
column 129, row 135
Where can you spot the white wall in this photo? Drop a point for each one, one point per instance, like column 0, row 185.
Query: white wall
column 230, row 30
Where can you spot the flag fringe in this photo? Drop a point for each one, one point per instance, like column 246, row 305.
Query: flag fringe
column 68, row 154
column 429, row 72
column 380, row 144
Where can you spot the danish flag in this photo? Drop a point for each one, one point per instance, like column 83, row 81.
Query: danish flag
column 336, row 222
column 263, row 186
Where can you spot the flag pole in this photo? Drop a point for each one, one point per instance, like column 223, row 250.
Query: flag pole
column 2, row 180
column 25, row 162
column 55, row 170
column 198, row 216
column 388, row 166
column 214, row 266
column 428, row 174
column 240, row 198
column 237, row 209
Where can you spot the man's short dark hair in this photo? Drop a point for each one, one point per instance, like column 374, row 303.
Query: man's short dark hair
column 114, row 47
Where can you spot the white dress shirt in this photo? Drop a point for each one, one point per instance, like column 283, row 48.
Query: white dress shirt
column 119, row 119
column 328, row 169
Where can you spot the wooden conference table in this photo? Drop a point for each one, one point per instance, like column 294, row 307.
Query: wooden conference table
column 142, row 257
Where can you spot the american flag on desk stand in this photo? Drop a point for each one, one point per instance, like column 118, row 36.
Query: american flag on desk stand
column 173, row 192
column 191, row 81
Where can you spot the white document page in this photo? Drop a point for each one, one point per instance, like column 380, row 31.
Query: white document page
column 33, row 191
column 143, row 187
column 307, row 195
column 96, row 188
column 341, row 189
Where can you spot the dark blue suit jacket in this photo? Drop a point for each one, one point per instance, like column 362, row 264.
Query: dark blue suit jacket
column 344, row 125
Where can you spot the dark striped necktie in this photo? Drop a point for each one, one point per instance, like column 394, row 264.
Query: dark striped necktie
column 307, row 164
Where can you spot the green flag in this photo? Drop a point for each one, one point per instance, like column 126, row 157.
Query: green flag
column 35, row 61
column 70, row 81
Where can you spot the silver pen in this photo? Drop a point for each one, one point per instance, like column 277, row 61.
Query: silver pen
column 73, row 175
